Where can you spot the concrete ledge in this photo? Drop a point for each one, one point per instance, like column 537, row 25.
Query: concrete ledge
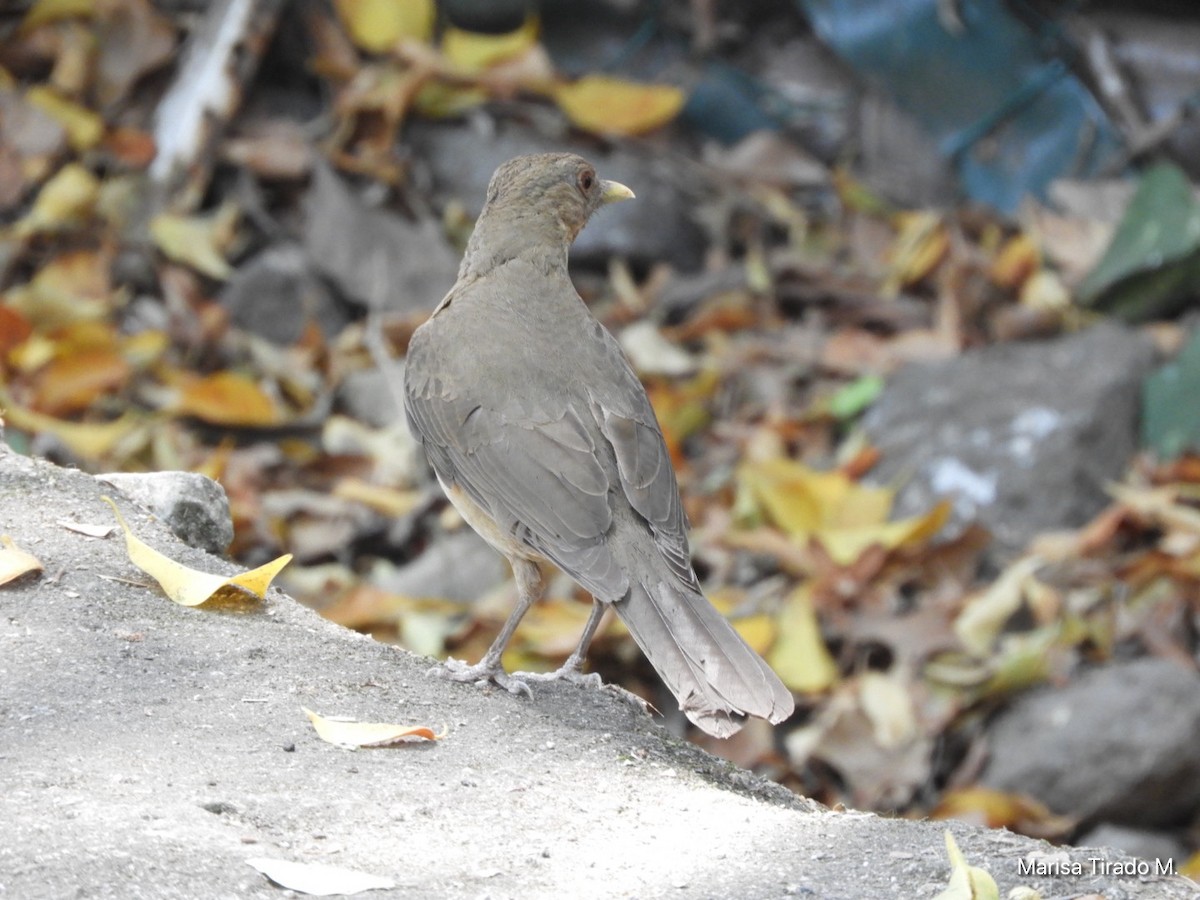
column 147, row 750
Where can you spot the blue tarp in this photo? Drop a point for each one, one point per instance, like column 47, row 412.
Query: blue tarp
column 1001, row 103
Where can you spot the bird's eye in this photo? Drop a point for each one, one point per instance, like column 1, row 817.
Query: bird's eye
column 587, row 178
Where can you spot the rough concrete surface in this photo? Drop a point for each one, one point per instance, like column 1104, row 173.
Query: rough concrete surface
column 148, row 750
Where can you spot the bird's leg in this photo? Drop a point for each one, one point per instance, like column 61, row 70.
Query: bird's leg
column 569, row 670
column 529, row 589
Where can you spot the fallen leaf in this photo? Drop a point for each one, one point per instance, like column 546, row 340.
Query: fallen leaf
column 43, row 12
column 346, row 733
column 15, row 562
column 88, row 440
column 966, row 882
column 74, row 380
column 378, row 25
column 84, row 127
column 922, row 242
column 318, row 879
column 133, row 40
column 800, row 656
column 190, row 587
column 992, row 808
column 63, row 203
column 987, row 611
column 227, row 398
column 197, row 241
column 845, row 517
column 472, row 51
column 611, row 106
column 1017, row 260
column 96, row 531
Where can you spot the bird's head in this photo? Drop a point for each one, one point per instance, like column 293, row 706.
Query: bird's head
column 540, row 200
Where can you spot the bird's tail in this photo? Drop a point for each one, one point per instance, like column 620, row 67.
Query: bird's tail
column 716, row 677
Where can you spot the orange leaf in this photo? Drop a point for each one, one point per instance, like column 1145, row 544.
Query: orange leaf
column 1017, row 260
column 14, row 328
column 227, row 398
column 71, row 382
column 606, row 105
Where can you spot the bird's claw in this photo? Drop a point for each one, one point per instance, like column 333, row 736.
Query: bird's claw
column 481, row 674
column 569, row 674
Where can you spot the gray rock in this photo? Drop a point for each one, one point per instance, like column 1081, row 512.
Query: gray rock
column 193, row 506
column 1116, row 745
column 376, row 258
column 374, row 396
column 461, row 567
column 1021, row 437
column 1140, row 842
column 276, row 294
column 658, row 226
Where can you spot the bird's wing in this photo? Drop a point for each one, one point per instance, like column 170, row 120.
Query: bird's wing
column 539, row 476
column 623, row 411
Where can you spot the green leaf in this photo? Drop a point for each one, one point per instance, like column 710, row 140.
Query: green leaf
column 850, row 400
column 1170, row 416
column 1153, row 262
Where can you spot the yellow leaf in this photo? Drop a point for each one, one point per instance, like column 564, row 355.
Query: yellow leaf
column 966, row 882
column 190, row 587
column 920, row 245
column 986, row 612
column 15, row 562
column 368, row 734
column 1044, row 290
column 227, row 398
column 88, row 440
column 470, row 51
column 378, row 25
column 799, row 656
column 611, row 106
column 84, row 128
column 846, row 517
column 1017, row 260
column 44, row 12
column 439, row 100
column 888, row 705
column 758, row 631
column 64, row 202
column 197, row 241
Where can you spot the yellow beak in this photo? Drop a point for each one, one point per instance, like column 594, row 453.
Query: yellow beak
column 614, row 191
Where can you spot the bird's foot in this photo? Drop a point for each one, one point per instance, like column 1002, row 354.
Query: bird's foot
column 482, row 673
column 569, row 673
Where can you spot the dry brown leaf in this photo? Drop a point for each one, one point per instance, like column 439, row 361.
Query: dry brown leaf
column 612, row 106
column 15, row 562
column 73, row 381
column 346, row 733
column 190, row 587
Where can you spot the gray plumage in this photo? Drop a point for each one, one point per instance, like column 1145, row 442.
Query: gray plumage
column 530, row 413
